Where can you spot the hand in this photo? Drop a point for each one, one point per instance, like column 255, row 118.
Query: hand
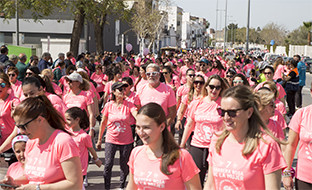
column 178, row 125
column 99, row 145
column 99, row 163
column 288, row 183
column 27, row 187
column 9, row 181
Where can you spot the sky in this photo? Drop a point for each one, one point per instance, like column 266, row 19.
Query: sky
column 288, row 13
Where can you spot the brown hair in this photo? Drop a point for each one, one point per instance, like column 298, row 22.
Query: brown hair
column 244, row 95
column 169, row 145
column 14, row 69
column 40, row 105
column 224, row 85
column 273, row 88
column 192, row 90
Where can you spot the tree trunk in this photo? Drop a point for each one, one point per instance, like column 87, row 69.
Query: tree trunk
column 77, row 29
column 98, row 33
column 309, row 38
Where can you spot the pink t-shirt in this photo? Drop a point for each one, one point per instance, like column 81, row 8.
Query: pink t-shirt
column 6, row 121
column 279, row 118
column 57, row 103
column 301, row 124
column 43, row 162
column 65, row 84
column 183, row 90
column 57, row 89
column 276, row 129
column 217, row 72
column 206, row 119
column 280, row 106
column 93, row 91
column 141, row 84
column 232, row 170
column 280, row 89
column 81, row 100
column 83, row 141
column 108, row 87
column 118, row 122
column 162, row 95
column 174, row 82
column 133, row 98
column 247, row 68
column 17, row 88
column 183, row 70
column 147, row 174
column 15, row 170
column 278, row 73
column 99, row 81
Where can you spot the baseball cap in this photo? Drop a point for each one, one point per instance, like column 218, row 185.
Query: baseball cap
column 74, row 77
column 118, row 85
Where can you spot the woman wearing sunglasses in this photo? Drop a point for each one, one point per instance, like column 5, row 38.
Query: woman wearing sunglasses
column 80, row 96
column 240, row 79
column 246, row 155
column 170, row 79
column 204, row 120
column 117, row 115
column 52, row 156
column 7, row 104
column 195, row 92
column 16, row 85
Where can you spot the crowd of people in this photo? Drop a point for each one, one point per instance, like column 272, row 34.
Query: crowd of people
column 182, row 120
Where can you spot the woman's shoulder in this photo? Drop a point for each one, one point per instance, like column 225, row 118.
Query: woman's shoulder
column 137, row 150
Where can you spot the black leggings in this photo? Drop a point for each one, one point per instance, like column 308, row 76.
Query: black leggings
column 200, row 158
column 301, row 185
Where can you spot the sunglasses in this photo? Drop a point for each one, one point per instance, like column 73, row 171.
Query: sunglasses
column 202, row 65
column 28, row 73
column 120, row 89
column 191, row 75
column 231, row 113
column 152, row 74
column 268, row 73
column 229, row 76
column 199, row 82
column 12, row 75
column 165, row 73
column 238, row 81
column 2, row 85
column 214, row 87
column 24, row 126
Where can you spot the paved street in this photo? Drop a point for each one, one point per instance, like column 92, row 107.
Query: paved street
column 95, row 174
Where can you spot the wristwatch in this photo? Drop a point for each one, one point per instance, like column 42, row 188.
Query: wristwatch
column 38, row 187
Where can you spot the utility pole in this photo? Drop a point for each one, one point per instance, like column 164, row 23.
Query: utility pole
column 247, row 32
column 217, row 9
column 17, row 23
column 225, row 27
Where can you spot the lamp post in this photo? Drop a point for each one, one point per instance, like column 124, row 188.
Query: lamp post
column 247, row 32
column 225, row 27
column 17, row 23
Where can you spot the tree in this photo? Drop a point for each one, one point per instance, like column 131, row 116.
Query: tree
column 308, row 26
column 297, row 36
column 146, row 20
column 274, row 32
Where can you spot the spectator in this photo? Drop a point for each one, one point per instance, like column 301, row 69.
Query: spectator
column 44, row 62
column 4, row 54
column 16, row 85
column 302, row 79
column 21, row 66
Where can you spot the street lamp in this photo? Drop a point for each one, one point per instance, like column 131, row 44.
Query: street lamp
column 247, row 32
column 225, row 28
column 17, row 23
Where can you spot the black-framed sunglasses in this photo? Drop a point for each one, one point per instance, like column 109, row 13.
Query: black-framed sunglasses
column 24, row 126
column 164, row 73
column 12, row 75
column 231, row 113
column 28, row 74
column 121, row 89
column 199, row 82
column 191, row 75
column 214, row 87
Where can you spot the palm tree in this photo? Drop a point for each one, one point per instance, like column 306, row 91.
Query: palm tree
column 308, row 25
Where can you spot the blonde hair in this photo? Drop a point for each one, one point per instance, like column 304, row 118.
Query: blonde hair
column 264, row 97
column 47, row 72
column 247, row 99
column 272, row 87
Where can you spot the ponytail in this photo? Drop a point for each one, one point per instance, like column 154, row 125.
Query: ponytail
column 76, row 112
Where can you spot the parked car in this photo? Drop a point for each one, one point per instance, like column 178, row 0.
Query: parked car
column 308, row 62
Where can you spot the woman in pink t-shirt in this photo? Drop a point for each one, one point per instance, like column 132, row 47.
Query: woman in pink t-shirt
column 203, row 118
column 52, row 157
column 183, row 70
column 170, row 79
column 142, row 78
column 266, row 101
column 159, row 163
column 218, row 69
column 98, row 77
column 300, row 132
column 16, row 170
column 63, row 83
column 7, row 104
column 114, row 76
column 278, row 68
column 78, row 96
column 49, row 74
column 117, row 118
column 16, row 85
column 246, row 155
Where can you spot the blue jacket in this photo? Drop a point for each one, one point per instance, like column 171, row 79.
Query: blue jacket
column 302, row 73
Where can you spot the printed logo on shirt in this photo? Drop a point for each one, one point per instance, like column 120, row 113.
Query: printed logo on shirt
column 120, row 127
column 149, row 178
column 227, row 185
